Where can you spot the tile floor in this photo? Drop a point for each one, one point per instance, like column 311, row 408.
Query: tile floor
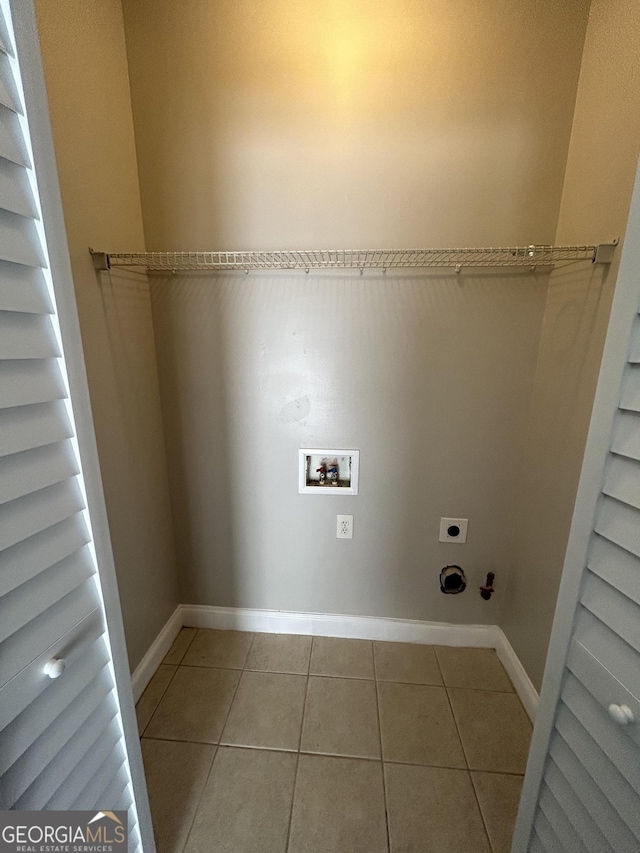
column 270, row 743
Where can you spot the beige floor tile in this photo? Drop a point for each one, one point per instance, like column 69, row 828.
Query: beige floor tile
column 246, row 804
column 176, row 773
column 267, row 711
column 180, row 646
column 280, row 653
column 195, row 705
column 152, row 695
column 499, row 797
column 341, row 718
column 226, row 649
column 477, row 668
column 338, row 807
column 406, row 662
column 417, row 725
column 433, row 809
column 342, row 658
column 494, row 729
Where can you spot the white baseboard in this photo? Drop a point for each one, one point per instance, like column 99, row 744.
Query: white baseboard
column 151, row 661
column 337, row 625
column 527, row 693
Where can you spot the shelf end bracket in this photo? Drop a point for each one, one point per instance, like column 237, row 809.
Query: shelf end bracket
column 100, row 260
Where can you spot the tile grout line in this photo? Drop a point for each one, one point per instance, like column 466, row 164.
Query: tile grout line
column 377, row 682
column 466, row 758
column 342, row 677
column 384, row 783
column 241, row 670
column 200, row 799
column 295, row 776
column 188, row 646
column 217, row 748
column 177, row 667
column 159, row 700
column 340, row 755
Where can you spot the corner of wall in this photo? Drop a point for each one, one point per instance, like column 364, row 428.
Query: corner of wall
column 86, row 75
column 599, row 176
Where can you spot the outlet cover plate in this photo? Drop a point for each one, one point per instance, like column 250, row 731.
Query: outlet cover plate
column 459, row 537
column 344, row 527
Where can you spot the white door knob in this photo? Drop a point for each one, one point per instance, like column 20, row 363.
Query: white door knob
column 55, row 667
column 622, row 714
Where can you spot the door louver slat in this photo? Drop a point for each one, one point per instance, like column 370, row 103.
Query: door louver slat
column 97, row 791
column 17, row 609
column 606, row 648
column 15, row 190
column 28, row 559
column 615, row 788
column 560, row 823
column 43, row 751
column 93, row 764
column 620, row 524
column 29, row 685
column 536, row 845
column 610, row 606
column 25, row 336
column 32, row 513
column 581, row 821
column 19, row 240
column 12, row 145
column 88, row 675
column 548, row 839
column 623, row 481
column 612, row 826
column 28, row 427
column 23, row 382
column 23, row 290
column 88, row 740
column 591, row 712
column 626, row 437
column 32, row 470
column 105, row 775
column 615, row 566
column 18, row 650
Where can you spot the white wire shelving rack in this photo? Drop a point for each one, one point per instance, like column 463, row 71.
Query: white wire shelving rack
column 316, row 259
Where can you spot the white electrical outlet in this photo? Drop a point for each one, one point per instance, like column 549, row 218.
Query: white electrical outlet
column 453, row 530
column 344, row 528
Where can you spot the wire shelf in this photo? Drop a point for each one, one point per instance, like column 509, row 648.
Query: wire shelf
column 494, row 256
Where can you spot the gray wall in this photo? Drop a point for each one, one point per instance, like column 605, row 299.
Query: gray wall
column 389, row 123
column 88, row 90
column 597, row 192
column 429, row 377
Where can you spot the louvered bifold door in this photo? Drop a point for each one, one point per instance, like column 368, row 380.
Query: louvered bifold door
column 61, row 743
column 590, row 793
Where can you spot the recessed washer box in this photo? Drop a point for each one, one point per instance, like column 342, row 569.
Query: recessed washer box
column 328, row 472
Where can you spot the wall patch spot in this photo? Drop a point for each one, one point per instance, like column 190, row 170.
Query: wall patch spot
column 295, row 411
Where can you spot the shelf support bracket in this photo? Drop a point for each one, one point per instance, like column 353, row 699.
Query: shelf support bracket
column 604, row 252
column 100, row 260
